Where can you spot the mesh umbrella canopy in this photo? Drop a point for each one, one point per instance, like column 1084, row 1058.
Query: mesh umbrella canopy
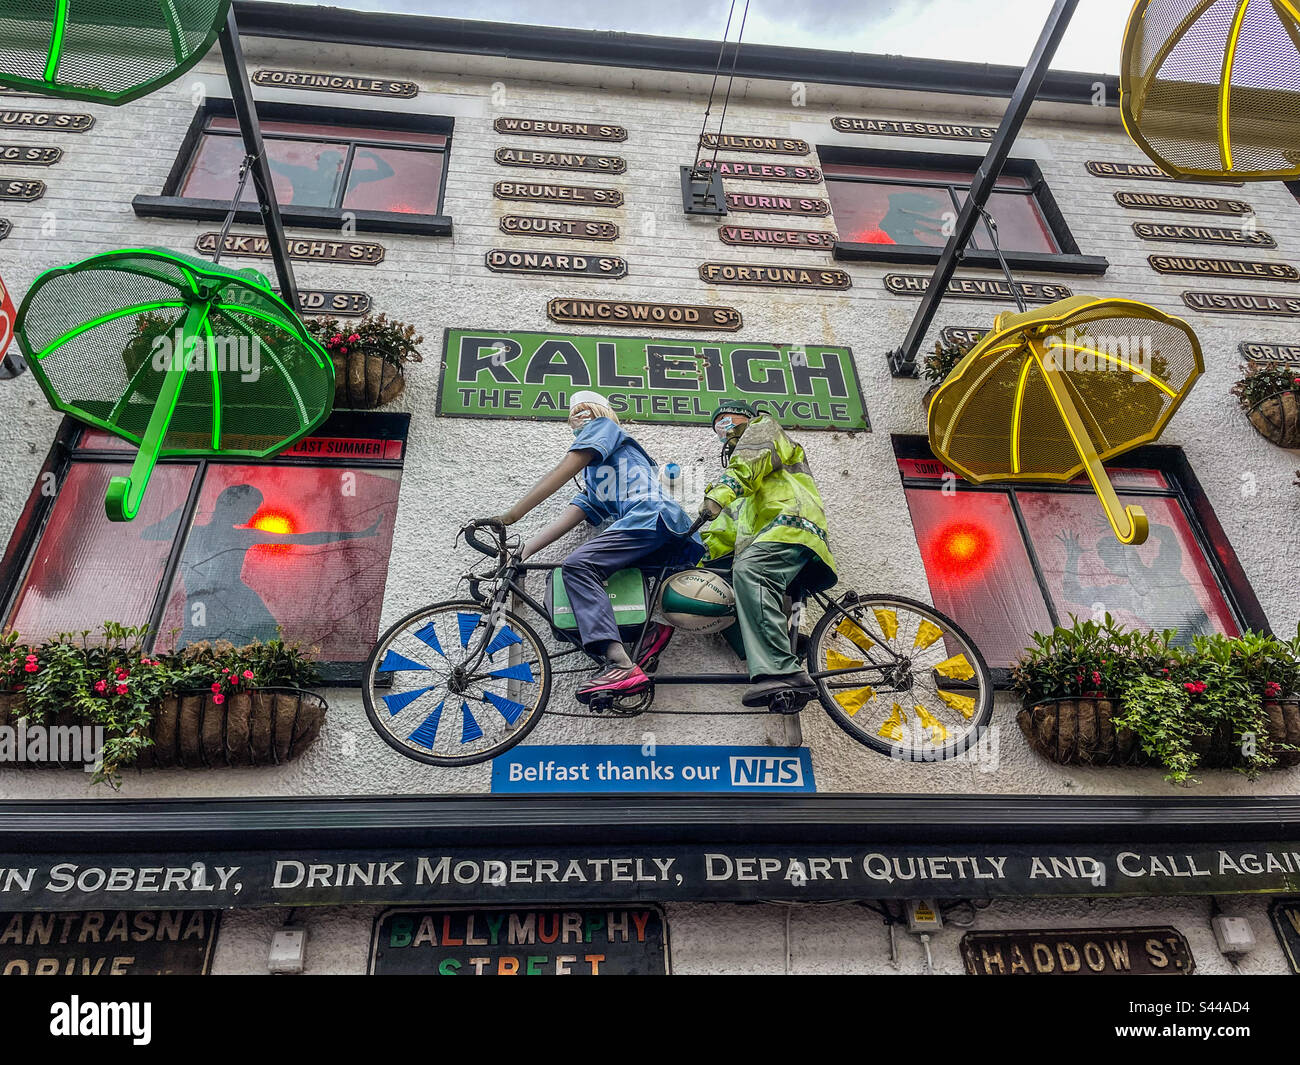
column 1211, row 88
column 103, row 51
column 176, row 355
column 1054, row 392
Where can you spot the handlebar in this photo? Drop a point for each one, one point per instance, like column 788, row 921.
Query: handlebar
column 483, row 546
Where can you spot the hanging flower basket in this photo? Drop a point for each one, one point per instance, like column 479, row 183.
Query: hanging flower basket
column 370, row 357
column 190, row 730
column 1277, row 419
column 1081, row 731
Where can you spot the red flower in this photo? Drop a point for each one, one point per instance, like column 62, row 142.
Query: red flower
column 234, row 678
column 216, row 685
column 354, row 337
column 121, row 689
column 218, row 698
column 31, row 667
column 31, row 658
column 335, row 338
column 101, row 686
column 1272, row 688
column 343, row 351
column 248, row 674
column 1195, row 686
column 1096, row 677
column 225, row 669
column 1165, row 672
column 120, row 673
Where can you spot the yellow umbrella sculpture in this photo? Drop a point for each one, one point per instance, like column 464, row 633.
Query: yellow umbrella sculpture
column 1054, row 392
column 1211, row 88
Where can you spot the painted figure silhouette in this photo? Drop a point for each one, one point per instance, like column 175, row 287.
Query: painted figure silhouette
column 1158, row 594
column 913, row 218
column 218, row 604
column 313, row 186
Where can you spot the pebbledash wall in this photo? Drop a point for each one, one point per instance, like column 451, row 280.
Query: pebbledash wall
column 457, row 468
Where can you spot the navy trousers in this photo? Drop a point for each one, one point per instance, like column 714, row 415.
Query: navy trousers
column 605, row 554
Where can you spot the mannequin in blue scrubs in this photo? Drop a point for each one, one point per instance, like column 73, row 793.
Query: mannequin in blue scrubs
column 646, row 527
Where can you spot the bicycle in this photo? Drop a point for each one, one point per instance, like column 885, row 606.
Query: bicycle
column 926, row 700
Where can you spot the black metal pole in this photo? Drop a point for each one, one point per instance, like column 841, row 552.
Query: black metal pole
column 902, row 361
column 251, row 130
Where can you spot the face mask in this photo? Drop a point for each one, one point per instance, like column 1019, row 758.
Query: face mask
column 724, row 425
column 584, row 418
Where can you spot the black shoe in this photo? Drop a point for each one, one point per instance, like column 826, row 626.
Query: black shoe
column 761, row 692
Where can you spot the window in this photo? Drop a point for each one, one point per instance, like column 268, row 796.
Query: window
column 1005, row 561
column 385, row 171
column 900, row 207
column 221, row 549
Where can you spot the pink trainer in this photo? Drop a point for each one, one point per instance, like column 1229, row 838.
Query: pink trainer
column 616, row 680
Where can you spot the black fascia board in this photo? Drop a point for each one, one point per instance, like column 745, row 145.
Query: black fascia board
column 548, row 44
column 196, row 825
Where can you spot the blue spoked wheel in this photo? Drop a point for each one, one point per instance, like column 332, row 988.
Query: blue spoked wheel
column 432, row 695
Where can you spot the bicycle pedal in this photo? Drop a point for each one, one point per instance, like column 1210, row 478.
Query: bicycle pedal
column 789, row 702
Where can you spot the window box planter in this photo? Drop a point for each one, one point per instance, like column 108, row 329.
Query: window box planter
column 370, row 357
column 1079, row 731
column 364, row 382
column 1277, row 419
column 190, row 730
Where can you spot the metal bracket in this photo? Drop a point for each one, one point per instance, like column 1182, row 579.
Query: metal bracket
column 702, row 192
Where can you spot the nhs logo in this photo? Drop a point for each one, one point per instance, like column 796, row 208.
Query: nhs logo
column 767, row 771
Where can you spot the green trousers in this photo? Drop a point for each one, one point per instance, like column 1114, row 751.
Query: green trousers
column 761, row 577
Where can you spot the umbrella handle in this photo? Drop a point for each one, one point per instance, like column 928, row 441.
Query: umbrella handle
column 1129, row 522
column 124, row 495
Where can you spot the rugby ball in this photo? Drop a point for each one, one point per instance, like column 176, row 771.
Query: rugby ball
column 697, row 600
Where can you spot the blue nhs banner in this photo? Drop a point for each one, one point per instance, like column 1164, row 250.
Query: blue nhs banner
column 619, row 767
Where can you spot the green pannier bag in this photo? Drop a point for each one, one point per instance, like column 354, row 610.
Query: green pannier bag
column 627, row 594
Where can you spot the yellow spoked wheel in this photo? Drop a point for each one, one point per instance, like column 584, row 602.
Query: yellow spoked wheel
column 900, row 677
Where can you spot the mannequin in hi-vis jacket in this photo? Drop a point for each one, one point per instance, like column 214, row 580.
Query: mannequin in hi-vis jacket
column 777, row 529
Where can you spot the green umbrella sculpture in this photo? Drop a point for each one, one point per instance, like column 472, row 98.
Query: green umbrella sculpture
column 103, row 51
column 176, row 355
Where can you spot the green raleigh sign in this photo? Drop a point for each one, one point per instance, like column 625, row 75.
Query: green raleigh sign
column 489, row 374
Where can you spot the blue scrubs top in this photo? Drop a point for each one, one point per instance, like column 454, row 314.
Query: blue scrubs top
column 622, row 483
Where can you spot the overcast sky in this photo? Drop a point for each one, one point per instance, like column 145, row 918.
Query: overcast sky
column 984, row 31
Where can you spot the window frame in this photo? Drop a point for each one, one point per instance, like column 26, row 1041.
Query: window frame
column 1069, row 260
column 170, row 204
column 32, row 522
column 1216, row 550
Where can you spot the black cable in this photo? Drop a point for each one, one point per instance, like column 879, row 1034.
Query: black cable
column 997, row 248
column 722, row 120
column 234, row 206
column 722, row 51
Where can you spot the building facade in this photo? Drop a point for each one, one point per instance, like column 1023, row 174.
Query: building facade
column 508, row 188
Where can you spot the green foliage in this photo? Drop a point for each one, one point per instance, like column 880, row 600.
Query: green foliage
column 939, row 364
column 395, row 342
column 1264, row 381
column 1168, row 696
column 113, row 682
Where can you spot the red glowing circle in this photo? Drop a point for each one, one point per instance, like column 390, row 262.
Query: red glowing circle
column 961, row 549
column 271, row 520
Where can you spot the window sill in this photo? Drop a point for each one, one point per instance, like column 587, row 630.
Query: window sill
column 423, row 225
column 1037, row 262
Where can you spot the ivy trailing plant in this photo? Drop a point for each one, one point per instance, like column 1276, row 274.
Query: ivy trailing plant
column 1169, row 697
column 113, row 682
column 1264, row 381
column 939, row 364
column 394, row 342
